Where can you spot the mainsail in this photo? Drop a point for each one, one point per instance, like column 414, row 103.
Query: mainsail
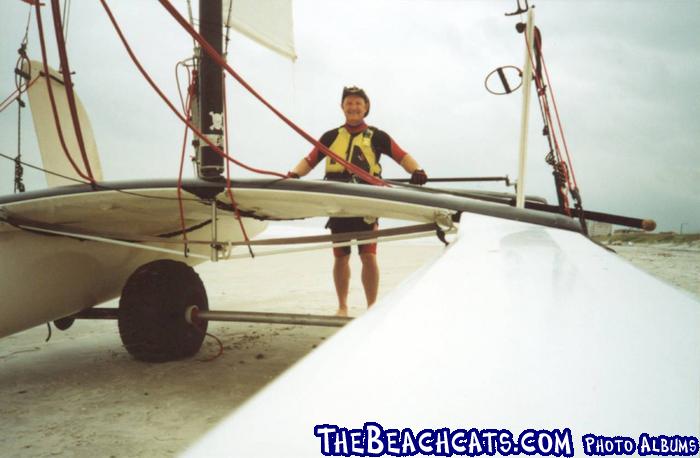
column 269, row 22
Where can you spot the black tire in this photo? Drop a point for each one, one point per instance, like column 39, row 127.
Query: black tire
column 152, row 308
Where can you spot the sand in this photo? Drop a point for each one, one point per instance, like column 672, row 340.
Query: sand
column 81, row 394
column 678, row 265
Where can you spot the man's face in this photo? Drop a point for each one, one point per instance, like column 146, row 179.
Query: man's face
column 354, row 108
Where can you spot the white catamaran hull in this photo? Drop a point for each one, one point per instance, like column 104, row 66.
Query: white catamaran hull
column 516, row 326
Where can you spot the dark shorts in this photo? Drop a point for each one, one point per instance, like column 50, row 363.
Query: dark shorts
column 342, row 225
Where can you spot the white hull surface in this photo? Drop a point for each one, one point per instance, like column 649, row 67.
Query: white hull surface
column 516, row 326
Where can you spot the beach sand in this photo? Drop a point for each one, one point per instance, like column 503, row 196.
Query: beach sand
column 678, row 265
column 81, row 394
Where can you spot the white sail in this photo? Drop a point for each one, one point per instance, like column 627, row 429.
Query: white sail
column 52, row 154
column 268, row 22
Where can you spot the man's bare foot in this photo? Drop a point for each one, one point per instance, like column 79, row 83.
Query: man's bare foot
column 342, row 311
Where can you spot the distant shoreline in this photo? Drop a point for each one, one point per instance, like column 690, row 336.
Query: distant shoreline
column 649, row 239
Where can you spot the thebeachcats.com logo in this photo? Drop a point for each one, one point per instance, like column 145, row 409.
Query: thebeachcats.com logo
column 375, row 440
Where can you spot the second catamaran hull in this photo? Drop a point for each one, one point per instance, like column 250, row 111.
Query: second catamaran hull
column 45, row 276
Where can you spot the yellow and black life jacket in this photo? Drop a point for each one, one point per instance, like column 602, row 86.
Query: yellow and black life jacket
column 356, row 149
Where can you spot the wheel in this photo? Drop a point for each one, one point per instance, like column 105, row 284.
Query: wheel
column 152, row 308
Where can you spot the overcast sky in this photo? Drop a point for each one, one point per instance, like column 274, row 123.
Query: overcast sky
column 625, row 74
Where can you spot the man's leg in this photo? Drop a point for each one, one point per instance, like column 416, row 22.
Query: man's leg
column 341, row 278
column 370, row 276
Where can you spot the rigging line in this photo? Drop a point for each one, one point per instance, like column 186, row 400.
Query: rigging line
column 68, row 85
column 561, row 129
column 99, row 186
column 295, row 240
column 229, row 191
column 10, row 98
column 544, row 122
column 25, row 41
column 325, row 246
column 562, row 181
column 218, row 342
column 16, row 94
column 22, row 86
column 19, row 171
column 26, row 29
column 170, row 105
column 54, row 110
column 108, row 241
column 191, row 18
column 563, row 167
column 35, row 167
column 542, row 94
column 64, row 19
column 228, row 27
column 553, row 158
column 182, row 165
column 544, row 87
column 179, row 88
column 547, row 118
column 543, row 104
column 542, row 99
column 367, row 177
column 566, row 167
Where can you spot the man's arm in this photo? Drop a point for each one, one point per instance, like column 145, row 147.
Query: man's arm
column 386, row 145
column 409, row 164
column 301, row 169
column 405, row 160
column 418, row 175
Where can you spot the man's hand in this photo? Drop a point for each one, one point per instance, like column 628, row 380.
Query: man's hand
column 419, row 177
column 292, row 175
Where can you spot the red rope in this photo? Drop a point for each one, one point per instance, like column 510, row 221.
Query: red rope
column 544, row 104
column 542, row 93
column 15, row 95
column 195, row 323
column 68, row 84
column 170, row 104
column 47, row 74
column 367, row 177
column 561, row 129
column 559, row 165
column 218, row 353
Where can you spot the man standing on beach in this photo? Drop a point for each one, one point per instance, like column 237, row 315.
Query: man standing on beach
column 361, row 145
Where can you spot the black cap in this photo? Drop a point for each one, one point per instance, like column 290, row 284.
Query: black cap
column 354, row 90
